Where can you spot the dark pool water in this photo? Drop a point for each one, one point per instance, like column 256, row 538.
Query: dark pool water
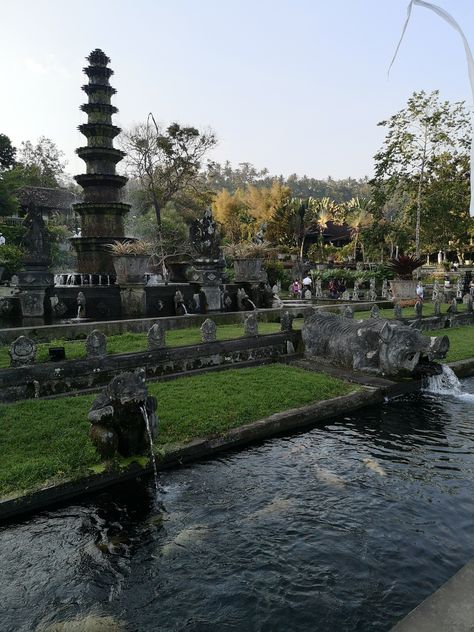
column 345, row 527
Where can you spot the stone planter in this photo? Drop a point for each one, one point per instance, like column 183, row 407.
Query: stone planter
column 249, row 271
column 131, row 268
column 403, row 289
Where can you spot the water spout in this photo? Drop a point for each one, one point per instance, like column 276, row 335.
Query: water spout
column 152, row 452
column 252, row 303
column 446, row 383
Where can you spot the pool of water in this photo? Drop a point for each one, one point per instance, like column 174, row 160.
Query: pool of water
column 345, row 527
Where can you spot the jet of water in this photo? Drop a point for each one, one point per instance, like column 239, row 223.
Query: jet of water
column 446, row 383
column 152, row 452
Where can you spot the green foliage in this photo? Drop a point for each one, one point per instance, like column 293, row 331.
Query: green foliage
column 422, row 136
column 11, row 257
column 13, row 233
column 276, row 272
column 7, row 153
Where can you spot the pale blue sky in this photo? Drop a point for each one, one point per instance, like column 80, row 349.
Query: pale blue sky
column 294, row 86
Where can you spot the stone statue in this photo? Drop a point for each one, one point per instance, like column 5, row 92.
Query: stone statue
column 286, row 322
column 418, row 309
column 437, row 308
column 156, row 337
column 35, row 240
column 374, row 345
column 96, row 344
column 22, row 352
column 251, row 325
column 318, row 291
column 469, row 304
column 118, row 417
column 435, row 296
column 453, row 308
column 179, row 306
column 259, row 237
column 208, row 331
column 397, row 311
column 384, row 289
column 375, row 312
column 205, row 238
column 81, row 305
column 348, row 312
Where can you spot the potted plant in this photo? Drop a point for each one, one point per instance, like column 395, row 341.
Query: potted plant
column 403, row 286
column 248, row 261
column 130, row 260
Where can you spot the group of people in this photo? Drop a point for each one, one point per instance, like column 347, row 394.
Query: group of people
column 336, row 288
column 301, row 290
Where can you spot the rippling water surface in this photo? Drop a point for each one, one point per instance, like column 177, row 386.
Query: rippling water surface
column 345, row 527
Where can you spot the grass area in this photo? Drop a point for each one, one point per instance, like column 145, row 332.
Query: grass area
column 43, row 441
column 461, row 342
column 130, row 342
column 409, row 312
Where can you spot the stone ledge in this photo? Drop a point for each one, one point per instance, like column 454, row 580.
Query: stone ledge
column 449, row 609
column 274, row 425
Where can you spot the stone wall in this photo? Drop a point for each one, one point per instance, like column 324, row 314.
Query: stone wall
column 54, row 378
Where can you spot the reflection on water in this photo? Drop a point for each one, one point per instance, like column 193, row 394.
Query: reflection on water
column 344, row 527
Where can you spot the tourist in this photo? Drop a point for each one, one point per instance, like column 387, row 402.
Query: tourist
column 296, row 288
column 306, row 283
column 2, row 239
column 419, row 291
column 332, row 288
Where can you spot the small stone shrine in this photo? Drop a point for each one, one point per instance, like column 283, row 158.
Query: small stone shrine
column 208, row 331
column 208, row 264
column 22, row 352
column 397, row 311
column 156, row 337
column 96, row 344
column 375, row 312
column 348, row 312
column 437, row 308
column 251, row 325
column 286, row 321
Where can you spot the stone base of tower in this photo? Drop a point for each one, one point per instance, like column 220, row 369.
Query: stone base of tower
column 94, row 255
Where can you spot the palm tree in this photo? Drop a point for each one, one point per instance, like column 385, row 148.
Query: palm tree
column 359, row 217
column 320, row 211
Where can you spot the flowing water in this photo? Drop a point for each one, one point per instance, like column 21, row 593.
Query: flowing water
column 345, row 527
column 152, row 452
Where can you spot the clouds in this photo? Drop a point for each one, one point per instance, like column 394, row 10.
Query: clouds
column 47, row 67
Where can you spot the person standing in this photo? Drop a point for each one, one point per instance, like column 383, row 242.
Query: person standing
column 420, row 291
column 2, row 240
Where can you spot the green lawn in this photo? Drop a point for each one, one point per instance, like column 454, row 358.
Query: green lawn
column 42, row 441
column 130, row 342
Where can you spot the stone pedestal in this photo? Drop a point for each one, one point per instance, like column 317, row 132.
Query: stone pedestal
column 133, row 300
column 207, row 273
column 33, row 285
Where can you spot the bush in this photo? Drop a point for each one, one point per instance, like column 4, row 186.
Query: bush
column 11, row 257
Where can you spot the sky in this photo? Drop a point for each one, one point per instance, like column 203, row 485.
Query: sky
column 296, row 86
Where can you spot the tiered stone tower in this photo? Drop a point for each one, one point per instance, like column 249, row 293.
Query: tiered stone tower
column 101, row 211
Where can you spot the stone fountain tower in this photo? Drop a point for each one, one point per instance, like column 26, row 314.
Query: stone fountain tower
column 101, row 212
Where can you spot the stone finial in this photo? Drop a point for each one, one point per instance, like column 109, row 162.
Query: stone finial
column 469, row 305
column 375, row 311
column 348, row 312
column 156, row 337
column 418, row 309
column 437, row 308
column 453, row 308
column 208, row 331
column 251, row 325
column 22, row 352
column 397, row 311
column 286, row 321
column 96, row 344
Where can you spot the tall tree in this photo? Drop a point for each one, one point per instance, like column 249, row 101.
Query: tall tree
column 167, row 162
column 416, row 136
column 7, row 153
